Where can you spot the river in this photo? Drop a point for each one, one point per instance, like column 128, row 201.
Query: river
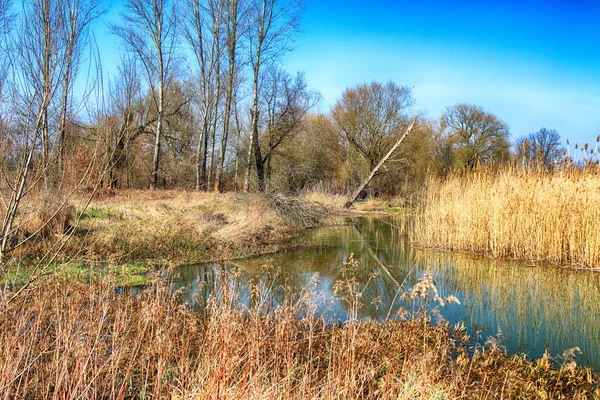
column 536, row 308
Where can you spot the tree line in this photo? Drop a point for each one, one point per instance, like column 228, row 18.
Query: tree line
column 200, row 100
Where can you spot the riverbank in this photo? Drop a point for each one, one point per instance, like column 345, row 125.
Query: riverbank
column 516, row 214
column 76, row 340
column 79, row 337
column 133, row 233
column 142, row 230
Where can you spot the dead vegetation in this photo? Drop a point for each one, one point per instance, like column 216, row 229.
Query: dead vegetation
column 296, row 213
column 171, row 226
column 81, row 341
column 515, row 213
column 46, row 217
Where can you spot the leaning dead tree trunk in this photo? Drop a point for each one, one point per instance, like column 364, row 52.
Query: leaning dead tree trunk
column 378, row 166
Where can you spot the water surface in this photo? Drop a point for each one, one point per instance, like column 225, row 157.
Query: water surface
column 534, row 307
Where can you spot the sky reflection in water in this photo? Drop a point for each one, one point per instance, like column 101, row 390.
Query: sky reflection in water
column 534, row 307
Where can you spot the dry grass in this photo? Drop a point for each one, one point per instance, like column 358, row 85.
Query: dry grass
column 327, row 198
column 370, row 205
column 179, row 226
column 553, row 217
column 79, row 341
column 298, row 213
column 43, row 216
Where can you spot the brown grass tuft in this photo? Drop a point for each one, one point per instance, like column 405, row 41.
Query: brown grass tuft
column 44, row 217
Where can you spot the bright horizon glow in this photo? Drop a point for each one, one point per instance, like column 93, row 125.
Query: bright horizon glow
column 534, row 63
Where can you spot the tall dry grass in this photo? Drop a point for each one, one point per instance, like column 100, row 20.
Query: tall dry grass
column 79, row 341
column 515, row 213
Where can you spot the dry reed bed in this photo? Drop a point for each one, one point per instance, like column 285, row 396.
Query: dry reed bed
column 78, row 341
column 553, row 217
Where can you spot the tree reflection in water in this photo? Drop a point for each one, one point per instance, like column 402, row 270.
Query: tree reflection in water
column 536, row 307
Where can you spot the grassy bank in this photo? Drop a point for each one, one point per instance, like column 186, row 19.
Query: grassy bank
column 174, row 227
column 82, row 341
column 551, row 217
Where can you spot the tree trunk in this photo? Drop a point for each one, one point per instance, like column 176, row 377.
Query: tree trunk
column 205, row 157
column 378, row 166
column 199, row 157
column 260, row 169
column 159, row 129
column 211, row 159
column 160, row 106
column 17, row 195
column 268, row 172
column 249, row 162
column 231, row 46
column 62, row 130
column 156, row 159
column 255, row 115
column 237, row 151
column 201, row 150
column 214, row 122
column 260, row 166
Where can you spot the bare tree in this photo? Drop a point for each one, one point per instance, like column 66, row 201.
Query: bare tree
column 271, row 24
column 41, row 67
column 39, row 70
column 286, row 101
column 204, row 33
column 130, row 118
column 44, row 54
column 238, row 130
column 377, row 167
column 78, row 15
column 149, row 31
column 369, row 117
column 6, row 25
column 542, row 148
column 235, row 14
column 444, row 157
column 477, row 136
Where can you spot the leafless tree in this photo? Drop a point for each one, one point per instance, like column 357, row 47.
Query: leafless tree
column 203, row 32
column 477, row 136
column 286, row 102
column 238, row 118
column 6, row 25
column 236, row 15
column 46, row 48
column 370, row 117
column 198, row 35
column 41, row 68
column 540, row 149
column 77, row 15
column 149, row 32
column 129, row 118
column 271, row 24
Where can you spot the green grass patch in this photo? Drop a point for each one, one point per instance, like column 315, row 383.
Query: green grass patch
column 396, row 210
column 134, row 274
column 100, row 213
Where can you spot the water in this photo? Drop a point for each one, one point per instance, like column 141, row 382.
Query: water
column 535, row 307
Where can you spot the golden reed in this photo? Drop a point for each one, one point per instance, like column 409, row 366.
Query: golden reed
column 515, row 213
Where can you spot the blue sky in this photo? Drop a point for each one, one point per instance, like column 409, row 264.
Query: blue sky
column 532, row 63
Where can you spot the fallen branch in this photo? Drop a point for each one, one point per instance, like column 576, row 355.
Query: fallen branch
column 378, row 166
